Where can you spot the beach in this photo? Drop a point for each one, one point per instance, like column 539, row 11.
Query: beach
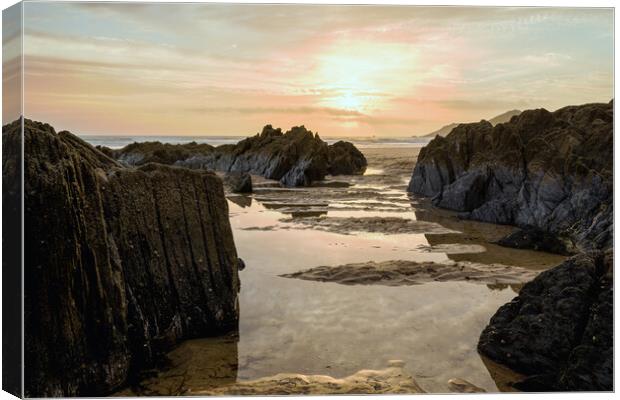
column 292, row 322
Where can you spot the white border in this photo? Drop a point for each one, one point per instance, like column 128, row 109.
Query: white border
column 523, row 3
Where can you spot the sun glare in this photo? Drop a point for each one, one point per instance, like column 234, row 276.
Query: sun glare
column 356, row 75
column 349, row 101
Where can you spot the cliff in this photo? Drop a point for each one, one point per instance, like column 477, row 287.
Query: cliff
column 295, row 158
column 120, row 263
column 548, row 170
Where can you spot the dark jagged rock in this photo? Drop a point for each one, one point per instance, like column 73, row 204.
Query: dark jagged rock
column 537, row 239
column 559, row 330
column 157, row 152
column 346, row 159
column 120, row 263
column 552, row 175
column 295, row 158
column 552, row 171
column 238, row 182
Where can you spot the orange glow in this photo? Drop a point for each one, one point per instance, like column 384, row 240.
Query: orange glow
column 340, row 70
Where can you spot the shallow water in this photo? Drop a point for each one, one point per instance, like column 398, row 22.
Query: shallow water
column 297, row 326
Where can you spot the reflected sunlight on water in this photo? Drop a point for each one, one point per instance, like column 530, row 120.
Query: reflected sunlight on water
column 306, row 327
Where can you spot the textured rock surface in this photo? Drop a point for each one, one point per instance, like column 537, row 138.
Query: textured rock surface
column 559, row 330
column 238, row 182
column 391, row 380
column 12, row 258
column 295, row 158
column 120, row 264
column 345, row 159
column 552, row 171
column 537, row 239
column 404, row 273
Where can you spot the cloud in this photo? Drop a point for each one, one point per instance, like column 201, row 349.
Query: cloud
column 277, row 110
column 360, row 69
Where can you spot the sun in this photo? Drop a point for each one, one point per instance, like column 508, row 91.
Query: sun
column 349, row 101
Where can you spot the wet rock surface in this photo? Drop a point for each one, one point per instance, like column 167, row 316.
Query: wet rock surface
column 391, row 380
column 120, row 264
column 462, row 386
column 385, row 225
column 549, row 170
column 403, row 273
column 537, row 239
column 238, row 182
column 559, row 330
column 295, row 158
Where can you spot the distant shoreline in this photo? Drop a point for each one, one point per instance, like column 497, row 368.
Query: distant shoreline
column 117, row 142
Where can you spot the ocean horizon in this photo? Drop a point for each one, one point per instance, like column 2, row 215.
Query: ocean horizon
column 119, row 141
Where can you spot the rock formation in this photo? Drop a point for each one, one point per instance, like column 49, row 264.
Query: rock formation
column 551, row 171
column 392, row 380
column 120, row 263
column 559, row 330
column 345, row 159
column 238, row 182
column 295, row 158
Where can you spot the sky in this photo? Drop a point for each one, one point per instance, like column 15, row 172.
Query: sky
column 225, row 69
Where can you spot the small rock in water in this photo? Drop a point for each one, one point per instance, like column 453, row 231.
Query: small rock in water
column 238, row 182
column 462, row 386
column 396, row 363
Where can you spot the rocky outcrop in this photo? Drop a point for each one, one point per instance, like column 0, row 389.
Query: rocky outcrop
column 345, row 159
column 548, row 170
column 120, row 263
column 295, row 158
column 550, row 173
column 559, row 330
column 238, row 182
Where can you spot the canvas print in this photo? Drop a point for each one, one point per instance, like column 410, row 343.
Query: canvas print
column 295, row 199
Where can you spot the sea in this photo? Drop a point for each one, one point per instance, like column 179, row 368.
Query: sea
column 116, row 141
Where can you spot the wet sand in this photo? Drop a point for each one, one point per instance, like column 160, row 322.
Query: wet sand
column 318, row 333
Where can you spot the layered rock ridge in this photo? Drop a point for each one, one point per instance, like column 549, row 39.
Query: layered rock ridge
column 550, row 173
column 547, row 170
column 295, row 158
column 120, row 263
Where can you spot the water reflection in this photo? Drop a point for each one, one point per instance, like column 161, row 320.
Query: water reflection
column 478, row 233
column 516, row 287
column 504, row 377
column 296, row 326
column 241, row 200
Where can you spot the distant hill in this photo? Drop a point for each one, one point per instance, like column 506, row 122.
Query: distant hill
column 443, row 131
column 499, row 119
column 505, row 117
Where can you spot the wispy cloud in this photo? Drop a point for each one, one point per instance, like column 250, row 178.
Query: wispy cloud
column 343, row 70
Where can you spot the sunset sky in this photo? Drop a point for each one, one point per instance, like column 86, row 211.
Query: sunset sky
column 218, row 69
